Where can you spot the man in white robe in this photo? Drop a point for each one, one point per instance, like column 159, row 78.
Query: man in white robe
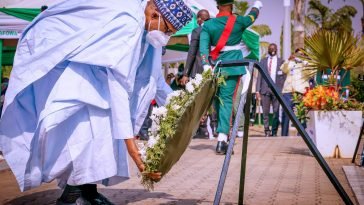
column 84, row 74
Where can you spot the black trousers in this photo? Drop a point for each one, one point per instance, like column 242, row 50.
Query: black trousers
column 267, row 100
column 143, row 132
column 253, row 112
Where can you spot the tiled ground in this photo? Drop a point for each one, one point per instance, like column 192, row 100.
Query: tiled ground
column 355, row 176
column 279, row 171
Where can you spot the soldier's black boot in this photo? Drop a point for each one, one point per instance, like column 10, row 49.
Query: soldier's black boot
column 221, row 147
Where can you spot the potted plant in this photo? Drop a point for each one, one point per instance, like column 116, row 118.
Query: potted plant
column 333, row 119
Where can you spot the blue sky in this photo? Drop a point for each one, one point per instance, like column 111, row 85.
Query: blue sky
column 272, row 14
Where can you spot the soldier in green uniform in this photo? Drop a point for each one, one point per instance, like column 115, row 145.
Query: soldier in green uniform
column 232, row 50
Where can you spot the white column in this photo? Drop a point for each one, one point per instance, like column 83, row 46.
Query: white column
column 287, row 29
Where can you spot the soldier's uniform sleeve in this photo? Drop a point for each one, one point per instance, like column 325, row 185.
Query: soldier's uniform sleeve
column 249, row 19
column 204, row 45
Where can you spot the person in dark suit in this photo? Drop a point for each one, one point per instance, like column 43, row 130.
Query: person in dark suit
column 272, row 65
column 194, row 62
column 194, row 66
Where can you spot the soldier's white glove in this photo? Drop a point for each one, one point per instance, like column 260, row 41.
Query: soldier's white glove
column 206, row 68
column 258, row 5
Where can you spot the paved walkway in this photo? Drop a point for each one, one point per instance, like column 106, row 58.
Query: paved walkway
column 279, row 171
column 355, row 176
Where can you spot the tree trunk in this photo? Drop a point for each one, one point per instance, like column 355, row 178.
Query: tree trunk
column 362, row 19
column 362, row 23
column 299, row 24
column 362, row 26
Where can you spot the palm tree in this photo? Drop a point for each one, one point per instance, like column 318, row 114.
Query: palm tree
column 362, row 18
column 298, row 28
column 324, row 18
column 334, row 50
column 241, row 8
column 299, row 24
column 264, row 30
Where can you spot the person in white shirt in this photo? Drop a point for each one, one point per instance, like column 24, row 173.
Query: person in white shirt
column 296, row 83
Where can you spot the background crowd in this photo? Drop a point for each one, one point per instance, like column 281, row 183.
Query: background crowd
column 290, row 77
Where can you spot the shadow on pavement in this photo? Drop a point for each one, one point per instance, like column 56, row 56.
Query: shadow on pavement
column 117, row 196
column 299, row 151
column 257, row 135
column 183, row 202
column 41, row 198
column 202, row 147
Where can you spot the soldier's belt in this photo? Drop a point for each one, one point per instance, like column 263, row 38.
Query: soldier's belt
column 230, row 48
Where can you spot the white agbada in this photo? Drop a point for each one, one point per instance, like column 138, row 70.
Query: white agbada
column 82, row 81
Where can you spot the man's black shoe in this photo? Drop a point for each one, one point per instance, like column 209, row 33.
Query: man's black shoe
column 201, row 133
column 60, row 202
column 90, row 194
column 221, row 147
column 267, row 133
column 99, row 199
column 70, row 195
column 82, row 195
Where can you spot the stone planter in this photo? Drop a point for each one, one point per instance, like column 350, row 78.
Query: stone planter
column 335, row 128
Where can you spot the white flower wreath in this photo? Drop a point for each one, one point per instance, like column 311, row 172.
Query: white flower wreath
column 164, row 121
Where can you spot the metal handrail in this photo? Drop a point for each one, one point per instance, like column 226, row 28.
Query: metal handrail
column 325, row 167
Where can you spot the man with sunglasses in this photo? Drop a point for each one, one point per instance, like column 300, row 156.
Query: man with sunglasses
column 84, row 75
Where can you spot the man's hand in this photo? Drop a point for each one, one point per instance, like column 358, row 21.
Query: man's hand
column 135, row 155
column 203, row 118
column 206, row 68
column 155, row 176
column 258, row 5
column 141, row 167
column 184, row 80
column 257, row 95
column 292, row 57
